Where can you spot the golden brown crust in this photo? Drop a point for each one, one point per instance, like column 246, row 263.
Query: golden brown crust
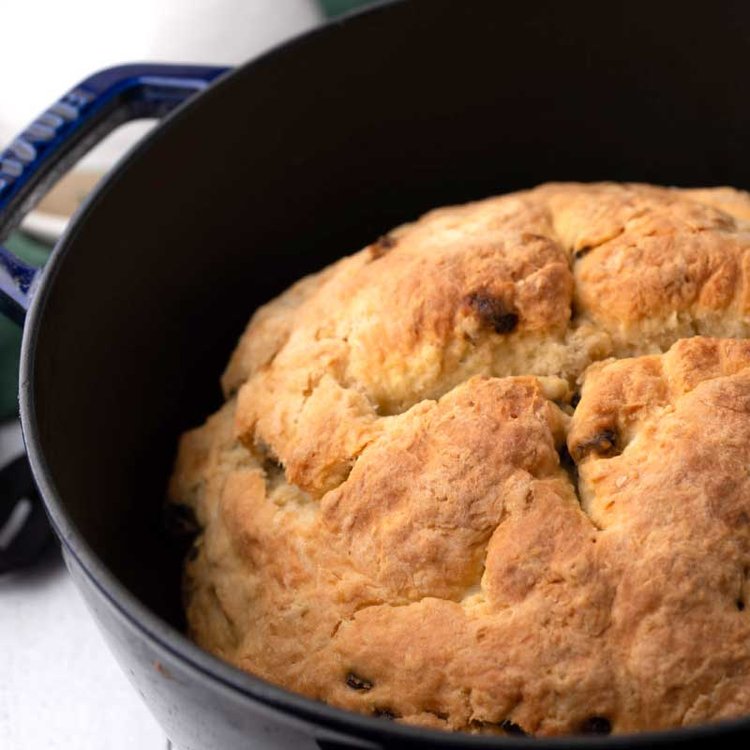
column 403, row 515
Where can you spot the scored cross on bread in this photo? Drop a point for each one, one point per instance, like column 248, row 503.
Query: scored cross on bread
column 406, row 511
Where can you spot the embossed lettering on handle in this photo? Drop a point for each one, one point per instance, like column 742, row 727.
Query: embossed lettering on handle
column 56, row 139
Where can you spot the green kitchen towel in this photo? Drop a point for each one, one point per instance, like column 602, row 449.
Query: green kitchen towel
column 333, row 8
column 35, row 253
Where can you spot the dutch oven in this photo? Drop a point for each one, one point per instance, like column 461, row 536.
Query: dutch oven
column 272, row 171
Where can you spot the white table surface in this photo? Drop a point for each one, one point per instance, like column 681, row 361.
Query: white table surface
column 60, row 688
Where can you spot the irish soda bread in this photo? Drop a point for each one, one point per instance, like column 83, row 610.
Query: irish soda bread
column 492, row 473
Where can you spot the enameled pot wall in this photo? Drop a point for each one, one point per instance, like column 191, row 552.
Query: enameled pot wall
column 280, row 167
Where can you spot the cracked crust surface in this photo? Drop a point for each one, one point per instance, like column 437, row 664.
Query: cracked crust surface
column 405, row 513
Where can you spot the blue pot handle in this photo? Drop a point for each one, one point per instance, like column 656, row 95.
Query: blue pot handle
column 65, row 132
column 28, row 168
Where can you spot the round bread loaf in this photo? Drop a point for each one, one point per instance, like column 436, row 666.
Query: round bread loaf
column 492, row 473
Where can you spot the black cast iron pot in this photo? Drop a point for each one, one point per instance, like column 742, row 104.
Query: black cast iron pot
column 278, row 168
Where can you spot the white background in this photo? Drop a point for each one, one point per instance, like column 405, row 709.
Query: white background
column 60, row 689
column 59, row 685
column 48, row 46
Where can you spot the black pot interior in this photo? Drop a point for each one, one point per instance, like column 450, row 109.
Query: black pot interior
column 313, row 151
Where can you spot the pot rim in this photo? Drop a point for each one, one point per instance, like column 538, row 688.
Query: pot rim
column 159, row 632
